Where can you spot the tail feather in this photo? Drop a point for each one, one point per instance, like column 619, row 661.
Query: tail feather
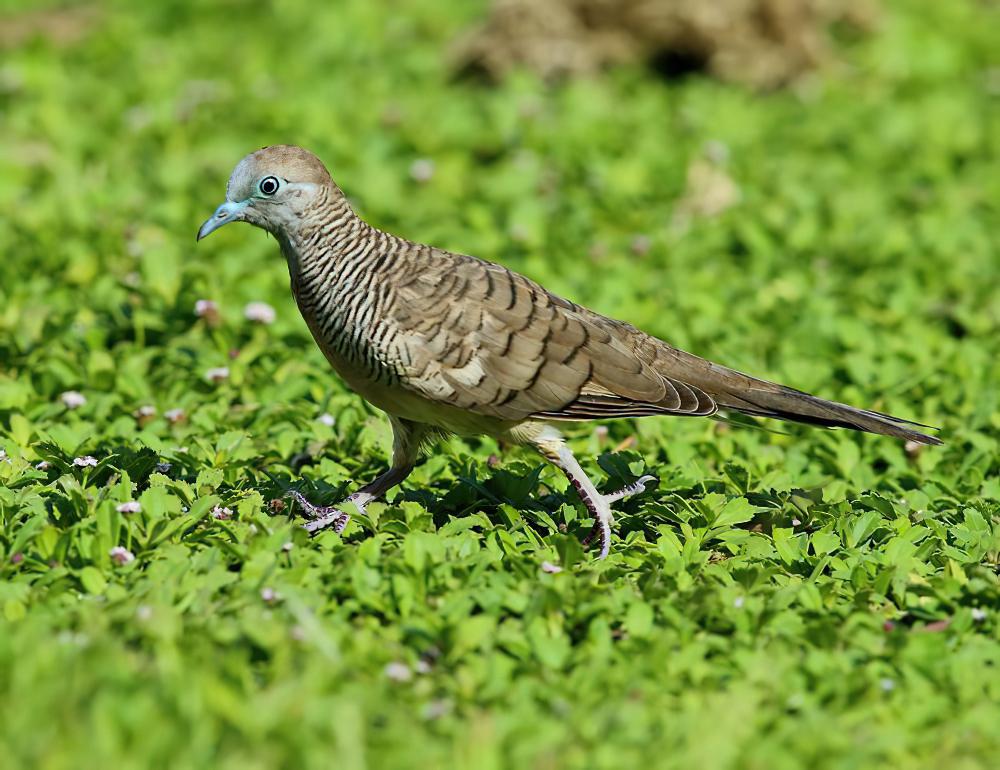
column 767, row 399
column 740, row 392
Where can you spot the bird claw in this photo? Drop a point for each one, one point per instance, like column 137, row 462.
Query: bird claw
column 635, row 488
column 338, row 520
column 322, row 516
column 602, row 528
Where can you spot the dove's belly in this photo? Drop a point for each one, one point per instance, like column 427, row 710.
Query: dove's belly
column 380, row 386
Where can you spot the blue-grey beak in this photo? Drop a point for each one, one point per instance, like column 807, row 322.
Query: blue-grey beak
column 228, row 212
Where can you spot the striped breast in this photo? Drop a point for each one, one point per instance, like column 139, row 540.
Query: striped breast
column 339, row 271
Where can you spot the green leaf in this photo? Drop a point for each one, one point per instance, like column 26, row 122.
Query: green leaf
column 92, row 580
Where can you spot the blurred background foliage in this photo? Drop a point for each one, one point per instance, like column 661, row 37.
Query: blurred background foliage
column 786, row 599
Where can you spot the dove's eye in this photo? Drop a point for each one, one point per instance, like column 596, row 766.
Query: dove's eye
column 268, row 185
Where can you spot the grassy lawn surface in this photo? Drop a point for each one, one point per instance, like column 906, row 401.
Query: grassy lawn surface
column 788, row 597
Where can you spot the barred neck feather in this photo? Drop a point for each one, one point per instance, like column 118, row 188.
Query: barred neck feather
column 337, row 263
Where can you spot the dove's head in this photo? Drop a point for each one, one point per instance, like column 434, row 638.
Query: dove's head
column 274, row 188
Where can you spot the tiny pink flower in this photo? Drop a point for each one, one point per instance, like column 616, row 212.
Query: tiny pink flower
column 174, row 415
column 207, row 311
column 641, row 245
column 205, row 307
column 17, row 558
column 551, row 568
column 120, row 555
column 144, row 414
column 73, row 399
column 259, row 312
column 85, row 462
column 222, row 514
column 217, row 374
column 269, row 595
column 129, row 507
column 326, row 419
column 398, row 672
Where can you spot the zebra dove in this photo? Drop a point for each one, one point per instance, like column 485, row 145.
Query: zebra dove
column 447, row 343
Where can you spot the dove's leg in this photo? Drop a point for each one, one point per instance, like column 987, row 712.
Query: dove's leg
column 406, row 438
column 554, row 449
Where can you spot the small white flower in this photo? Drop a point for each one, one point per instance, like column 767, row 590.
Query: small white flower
column 43, row 465
column 145, row 412
column 217, row 374
column 422, row 170
column 143, row 612
column 422, row 667
column 887, row 685
column 120, row 555
column 327, row 419
column 85, row 461
column 978, row 614
column 796, row 522
column 436, row 709
column 738, row 602
column 398, row 672
column 205, row 307
column 518, row 232
column 269, row 595
column 73, row 399
column 287, row 547
column 641, row 245
column 3, row 456
column 551, row 568
column 222, row 514
column 716, row 151
column 129, row 507
column 259, row 312
column 174, row 415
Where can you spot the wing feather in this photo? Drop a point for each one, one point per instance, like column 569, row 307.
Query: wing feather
column 494, row 342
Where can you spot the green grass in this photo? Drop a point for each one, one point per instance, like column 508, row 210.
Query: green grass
column 802, row 598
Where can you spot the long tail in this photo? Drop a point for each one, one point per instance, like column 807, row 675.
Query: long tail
column 768, row 399
column 734, row 390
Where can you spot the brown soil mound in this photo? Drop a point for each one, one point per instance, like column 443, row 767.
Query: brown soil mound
column 763, row 43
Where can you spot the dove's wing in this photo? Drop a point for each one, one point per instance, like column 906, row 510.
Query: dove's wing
column 477, row 336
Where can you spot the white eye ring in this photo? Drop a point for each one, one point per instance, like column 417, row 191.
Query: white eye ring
column 268, row 185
